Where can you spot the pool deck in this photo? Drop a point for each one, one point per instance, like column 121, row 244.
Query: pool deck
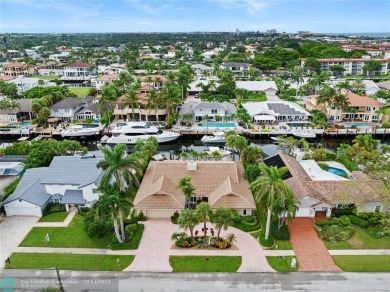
column 316, row 173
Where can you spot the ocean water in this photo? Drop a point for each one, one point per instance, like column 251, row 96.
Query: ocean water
column 360, row 34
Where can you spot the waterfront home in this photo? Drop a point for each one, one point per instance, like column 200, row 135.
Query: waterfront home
column 157, row 81
column 142, row 110
column 361, row 108
column 24, row 83
column 16, row 69
column 236, row 67
column 105, row 79
column 78, row 73
column 319, row 192
column 220, row 183
column 268, row 87
column 66, row 109
column 212, row 110
column 281, row 111
column 71, row 180
column 19, row 114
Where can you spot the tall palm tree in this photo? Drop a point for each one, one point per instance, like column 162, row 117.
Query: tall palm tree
column 114, row 203
column 186, row 186
column 287, row 208
column 131, row 100
column 270, row 188
column 188, row 220
column 344, row 85
column 222, row 218
column 204, row 214
column 153, row 102
column 297, row 74
column 326, row 97
column 366, row 142
column 358, row 85
column 109, row 95
column 240, row 143
column 340, row 101
column 118, row 168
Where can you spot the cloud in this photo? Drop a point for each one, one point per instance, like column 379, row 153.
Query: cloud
column 251, row 6
column 142, row 6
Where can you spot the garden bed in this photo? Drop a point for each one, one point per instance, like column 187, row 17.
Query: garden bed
column 232, row 247
column 205, row 264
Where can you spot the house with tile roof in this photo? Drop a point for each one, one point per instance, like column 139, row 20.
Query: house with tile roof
column 105, row 79
column 361, row 108
column 322, row 193
column 220, row 183
column 71, row 180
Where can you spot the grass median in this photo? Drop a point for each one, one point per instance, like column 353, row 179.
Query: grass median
column 205, row 264
column 363, row 263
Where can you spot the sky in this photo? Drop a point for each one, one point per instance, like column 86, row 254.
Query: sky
column 82, row 16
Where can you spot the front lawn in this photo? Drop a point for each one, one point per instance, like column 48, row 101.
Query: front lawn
column 80, row 262
column 80, row 91
column 360, row 240
column 54, row 217
column 282, row 264
column 71, row 236
column 282, row 245
column 205, row 264
column 363, row 263
column 133, row 244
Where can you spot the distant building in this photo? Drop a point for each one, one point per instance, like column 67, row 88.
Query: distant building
column 78, row 73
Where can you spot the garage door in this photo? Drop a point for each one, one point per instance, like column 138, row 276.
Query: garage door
column 303, row 212
column 159, row 213
column 23, row 211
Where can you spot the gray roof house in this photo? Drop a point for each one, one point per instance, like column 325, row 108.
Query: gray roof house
column 71, row 180
column 236, row 67
column 66, row 109
column 211, row 109
column 23, row 112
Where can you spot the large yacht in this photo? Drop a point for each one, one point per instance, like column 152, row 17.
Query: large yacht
column 131, row 132
column 79, row 131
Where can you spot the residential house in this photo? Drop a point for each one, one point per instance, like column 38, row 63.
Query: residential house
column 9, row 172
column 352, row 66
column 384, row 85
column 92, row 111
column 361, row 108
column 78, row 73
column 71, row 180
column 276, row 111
column 236, row 68
column 105, row 79
column 16, row 69
column 201, row 69
column 143, row 111
column 66, row 109
column 220, row 183
column 268, row 87
column 212, row 110
column 370, row 87
column 20, row 114
column 24, row 83
column 157, row 81
column 317, row 193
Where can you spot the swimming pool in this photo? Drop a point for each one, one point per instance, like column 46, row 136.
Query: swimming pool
column 24, row 124
column 217, row 125
column 337, row 171
column 356, row 124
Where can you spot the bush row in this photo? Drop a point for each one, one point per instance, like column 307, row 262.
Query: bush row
column 282, row 234
column 357, row 221
column 53, row 208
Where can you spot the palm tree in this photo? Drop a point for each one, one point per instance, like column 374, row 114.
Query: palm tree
column 269, row 188
column 344, row 85
column 184, row 155
column 109, row 95
column 223, row 218
column 204, row 214
column 188, row 220
column 366, row 142
column 131, row 100
column 297, row 74
column 240, row 143
column 326, row 97
column 124, row 170
column 216, row 155
column 231, row 143
column 340, row 101
column 286, row 208
column 153, row 102
column 113, row 202
column 186, row 186
column 358, row 85
column 194, row 154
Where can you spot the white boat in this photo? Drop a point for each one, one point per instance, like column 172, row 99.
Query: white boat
column 131, row 132
column 306, row 135
column 222, row 152
column 216, row 138
column 79, row 131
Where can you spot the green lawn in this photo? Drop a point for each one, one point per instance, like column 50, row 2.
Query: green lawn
column 80, row 91
column 360, row 240
column 71, row 236
column 256, row 234
column 54, row 217
column 134, row 243
column 205, row 264
column 282, row 245
column 81, row 262
column 245, row 227
column 363, row 263
column 282, row 264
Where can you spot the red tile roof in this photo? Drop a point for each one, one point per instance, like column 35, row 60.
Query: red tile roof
column 79, row 65
column 358, row 100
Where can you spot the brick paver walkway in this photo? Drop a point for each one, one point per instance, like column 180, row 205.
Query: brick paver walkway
column 309, row 249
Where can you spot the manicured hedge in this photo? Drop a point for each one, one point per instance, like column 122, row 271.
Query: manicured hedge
column 282, row 234
column 266, row 242
column 341, row 212
column 355, row 220
column 332, row 221
column 345, row 221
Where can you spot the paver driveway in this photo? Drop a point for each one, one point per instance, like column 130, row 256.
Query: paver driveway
column 309, row 249
column 12, row 232
column 155, row 249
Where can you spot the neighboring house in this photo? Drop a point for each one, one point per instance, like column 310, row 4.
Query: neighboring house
column 91, row 112
column 220, row 183
column 20, row 114
column 105, row 79
column 370, row 87
column 200, row 69
column 384, row 85
column 276, row 111
column 78, row 73
column 16, row 69
column 25, row 83
column 352, row 66
column 9, row 171
column 316, row 194
column 157, row 81
column 236, row 67
column 141, row 112
column 50, row 72
column 66, row 109
column 210, row 109
column 72, row 180
column 361, row 108
column 268, row 87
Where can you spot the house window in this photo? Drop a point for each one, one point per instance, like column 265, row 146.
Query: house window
column 66, row 110
column 368, row 109
column 244, row 212
column 366, row 118
column 55, row 110
column 94, row 191
column 193, row 200
column 214, row 111
column 377, row 208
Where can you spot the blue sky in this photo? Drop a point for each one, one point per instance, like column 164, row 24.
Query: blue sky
column 201, row 15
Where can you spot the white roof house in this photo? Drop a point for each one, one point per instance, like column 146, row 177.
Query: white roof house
column 370, row 87
column 269, row 87
column 276, row 110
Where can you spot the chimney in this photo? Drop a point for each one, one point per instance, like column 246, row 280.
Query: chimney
column 191, row 166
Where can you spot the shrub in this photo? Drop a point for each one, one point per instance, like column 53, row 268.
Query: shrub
column 344, row 220
column 376, row 232
column 11, row 188
column 132, row 227
column 222, row 244
column 335, row 233
column 130, row 221
column 334, row 221
column 249, row 220
column 176, row 214
column 373, row 218
column 282, row 234
column 348, row 163
column 174, row 220
column 266, row 242
column 386, row 125
column 141, row 217
column 355, row 220
column 53, row 208
column 323, row 166
column 97, row 227
column 341, row 212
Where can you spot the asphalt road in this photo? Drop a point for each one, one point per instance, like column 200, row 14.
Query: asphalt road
column 31, row 280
